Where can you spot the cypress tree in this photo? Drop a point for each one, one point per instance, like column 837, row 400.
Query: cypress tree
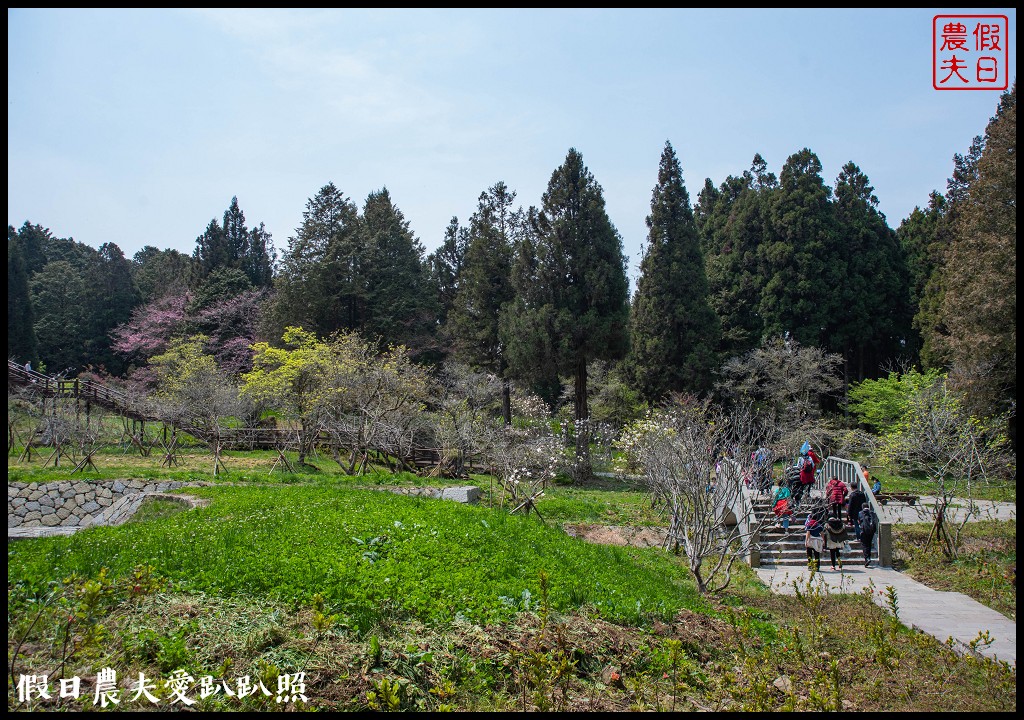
column 320, row 286
column 21, row 336
column 674, row 330
column 485, row 287
column 211, row 250
column 979, row 307
column 445, row 266
column 579, row 309
column 918, row 235
column 801, row 267
column 930, row 320
column 113, row 298
column 400, row 308
column 874, row 291
column 732, row 225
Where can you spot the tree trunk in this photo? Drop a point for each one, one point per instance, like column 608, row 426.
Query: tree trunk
column 582, row 469
column 506, row 401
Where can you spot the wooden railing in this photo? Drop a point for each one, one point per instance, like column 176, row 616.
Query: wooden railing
column 76, row 388
column 424, row 459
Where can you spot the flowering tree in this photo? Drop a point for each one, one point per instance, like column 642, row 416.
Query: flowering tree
column 956, row 451
column 382, row 397
column 464, row 405
column 151, row 328
column 232, row 328
column 693, row 455
column 785, row 382
column 291, row 379
column 523, row 460
column 341, row 386
column 229, row 326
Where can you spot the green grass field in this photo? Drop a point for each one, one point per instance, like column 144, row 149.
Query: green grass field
column 392, row 602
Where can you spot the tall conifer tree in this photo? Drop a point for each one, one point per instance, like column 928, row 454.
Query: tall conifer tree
column 930, row 320
column 874, row 293
column 21, row 336
column 674, row 330
column 980, row 303
column 732, row 222
column 320, row 286
column 800, row 262
column 579, row 310
column 400, row 306
column 485, row 286
column 445, row 265
column 920, row 235
column 114, row 297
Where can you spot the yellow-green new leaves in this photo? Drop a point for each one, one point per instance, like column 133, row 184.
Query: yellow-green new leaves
column 183, row 363
column 290, row 378
column 341, row 386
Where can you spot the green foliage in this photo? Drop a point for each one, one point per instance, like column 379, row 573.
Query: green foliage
column 732, row 221
column 321, row 283
column 922, row 236
column 400, row 305
column 160, row 273
column 445, row 264
column 184, row 362
column 21, row 336
column 157, row 509
column 221, row 284
column 371, row 556
column 873, row 295
column 485, row 282
column 231, row 246
column 956, row 452
column 61, row 304
column 612, row 400
column 573, row 302
column 801, row 265
column 387, row 695
column 755, row 651
column 978, row 311
column 674, row 332
column 881, row 404
column 286, row 378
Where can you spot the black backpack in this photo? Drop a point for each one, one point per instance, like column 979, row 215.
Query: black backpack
column 868, row 521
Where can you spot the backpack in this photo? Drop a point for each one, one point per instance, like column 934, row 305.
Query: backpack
column 807, row 471
column 868, row 521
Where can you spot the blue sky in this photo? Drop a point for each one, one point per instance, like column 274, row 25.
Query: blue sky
column 138, row 126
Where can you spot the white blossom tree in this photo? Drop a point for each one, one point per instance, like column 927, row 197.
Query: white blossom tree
column 693, row 455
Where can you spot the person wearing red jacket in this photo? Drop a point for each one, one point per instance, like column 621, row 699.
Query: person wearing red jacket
column 836, row 492
column 814, row 456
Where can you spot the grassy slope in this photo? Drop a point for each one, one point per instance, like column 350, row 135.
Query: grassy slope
column 319, row 578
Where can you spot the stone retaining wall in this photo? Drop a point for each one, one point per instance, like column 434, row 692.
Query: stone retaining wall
column 466, row 494
column 77, row 503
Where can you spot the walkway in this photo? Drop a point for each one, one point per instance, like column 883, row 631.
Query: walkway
column 941, row 614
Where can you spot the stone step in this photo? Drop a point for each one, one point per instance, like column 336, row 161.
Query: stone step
column 790, row 551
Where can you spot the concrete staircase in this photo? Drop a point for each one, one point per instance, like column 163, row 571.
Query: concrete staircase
column 781, row 549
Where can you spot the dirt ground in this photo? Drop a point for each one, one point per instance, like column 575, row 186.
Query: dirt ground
column 617, row 534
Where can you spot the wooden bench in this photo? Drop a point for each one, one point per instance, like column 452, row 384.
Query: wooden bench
column 908, row 498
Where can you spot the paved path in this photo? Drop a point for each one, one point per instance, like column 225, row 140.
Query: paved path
column 940, row 614
column 898, row 512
